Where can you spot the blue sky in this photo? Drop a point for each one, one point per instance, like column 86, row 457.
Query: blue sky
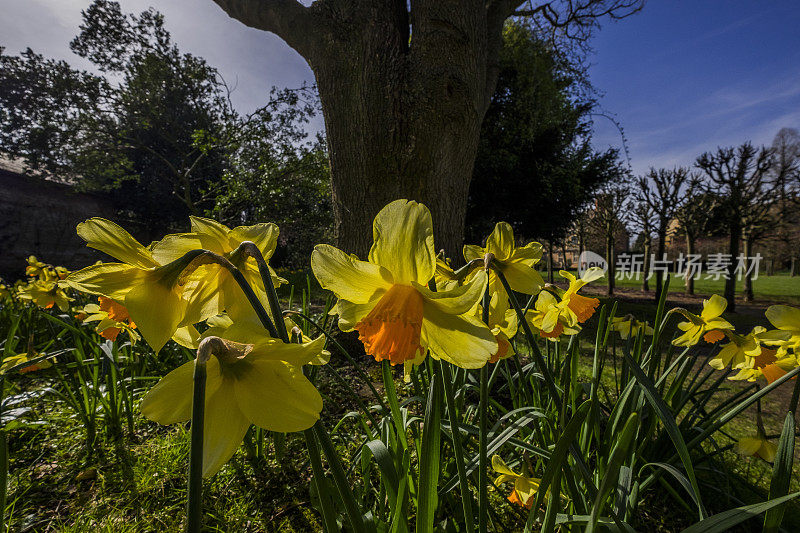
column 687, row 76
column 682, row 76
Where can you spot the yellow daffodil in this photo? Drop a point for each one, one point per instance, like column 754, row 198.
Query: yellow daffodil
column 741, row 347
column 20, row 359
column 45, row 294
column 708, row 325
column 35, row 267
column 515, row 262
column 263, row 385
column 503, row 323
column 525, row 487
column 787, row 336
column 757, row 445
column 149, row 289
column 628, row 326
column 765, row 365
column 581, row 308
column 5, row 292
column 555, row 316
column 112, row 318
column 210, row 289
column 387, row 300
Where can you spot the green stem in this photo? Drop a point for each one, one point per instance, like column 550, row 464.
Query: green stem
column 3, row 463
column 194, row 510
column 795, row 397
column 483, row 437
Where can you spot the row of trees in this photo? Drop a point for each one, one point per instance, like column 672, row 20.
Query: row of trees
column 746, row 194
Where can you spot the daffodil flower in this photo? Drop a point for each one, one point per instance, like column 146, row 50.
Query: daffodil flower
column 515, row 262
column 502, row 322
column 210, row 289
column 787, row 335
column 740, row 348
column 149, row 289
column 525, row 488
column 708, row 325
column 628, row 326
column 20, row 359
column 45, row 294
column 112, row 318
column 555, row 316
column 262, row 385
column 757, row 445
column 386, row 299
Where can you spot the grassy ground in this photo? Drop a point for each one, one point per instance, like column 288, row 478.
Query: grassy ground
column 137, row 483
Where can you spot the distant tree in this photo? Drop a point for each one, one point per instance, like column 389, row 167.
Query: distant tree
column 662, row 190
column 276, row 173
column 644, row 219
column 534, row 154
column 786, row 177
column 694, row 218
column 607, row 219
column 150, row 130
column 740, row 178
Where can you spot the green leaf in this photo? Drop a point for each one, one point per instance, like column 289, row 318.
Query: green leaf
column 668, row 419
column 619, row 455
column 724, row 521
column 427, row 498
column 781, row 474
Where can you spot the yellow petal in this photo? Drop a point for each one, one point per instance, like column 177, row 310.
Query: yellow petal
column 174, row 246
column 767, row 451
column 501, row 241
column 348, row 278
column 224, row 427
column 403, row 242
column 170, row 400
column 112, row 280
column 104, row 235
column 212, row 234
column 713, row 307
column 530, row 254
column 265, row 237
column 459, row 339
column 459, row 300
column 522, row 278
column 499, row 466
column 157, row 311
column 276, row 396
column 783, row 317
column 351, row 314
column 472, row 251
column 526, row 488
column 748, row 445
column 187, row 336
column 592, row 274
column 267, row 349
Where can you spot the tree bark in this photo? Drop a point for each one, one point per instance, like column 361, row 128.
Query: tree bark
column 747, row 286
column 662, row 237
column 402, row 111
column 733, row 250
column 646, row 266
column 689, row 280
column 610, row 261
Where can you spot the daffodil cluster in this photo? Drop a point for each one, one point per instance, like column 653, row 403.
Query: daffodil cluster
column 45, row 286
column 164, row 290
column 770, row 354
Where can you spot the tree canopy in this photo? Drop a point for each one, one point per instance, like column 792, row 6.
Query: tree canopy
column 536, row 167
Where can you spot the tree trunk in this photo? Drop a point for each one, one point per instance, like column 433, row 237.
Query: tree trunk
column 550, row 261
column 747, row 287
column 793, row 267
column 733, row 250
column 662, row 237
column 564, row 255
column 646, row 265
column 610, row 261
column 689, row 280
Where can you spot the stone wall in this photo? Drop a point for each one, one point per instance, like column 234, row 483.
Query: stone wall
column 38, row 217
